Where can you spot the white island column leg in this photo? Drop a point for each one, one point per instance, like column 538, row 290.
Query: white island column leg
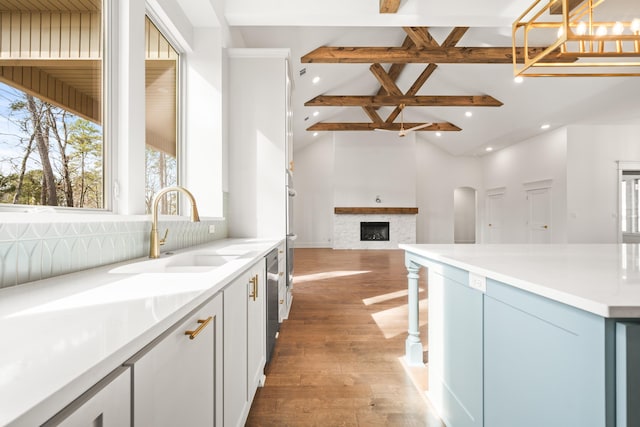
column 413, row 346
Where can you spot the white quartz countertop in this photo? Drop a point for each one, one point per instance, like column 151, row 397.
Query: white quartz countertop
column 603, row 279
column 62, row 335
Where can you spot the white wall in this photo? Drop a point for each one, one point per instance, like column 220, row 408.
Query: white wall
column 438, row 175
column 580, row 162
column 374, row 164
column 540, row 158
column 313, row 204
column 592, row 179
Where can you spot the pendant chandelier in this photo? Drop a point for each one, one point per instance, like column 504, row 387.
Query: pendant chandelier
column 582, row 38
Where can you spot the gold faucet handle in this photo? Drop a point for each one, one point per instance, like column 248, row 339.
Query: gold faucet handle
column 164, row 238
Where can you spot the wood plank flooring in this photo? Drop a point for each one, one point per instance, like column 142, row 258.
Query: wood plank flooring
column 338, row 359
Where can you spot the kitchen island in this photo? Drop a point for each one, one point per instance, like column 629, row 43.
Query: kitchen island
column 529, row 335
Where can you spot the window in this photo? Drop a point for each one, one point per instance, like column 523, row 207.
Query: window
column 51, row 102
column 161, row 73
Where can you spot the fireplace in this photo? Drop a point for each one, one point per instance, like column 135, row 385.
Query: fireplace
column 374, row 231
column 348, row 222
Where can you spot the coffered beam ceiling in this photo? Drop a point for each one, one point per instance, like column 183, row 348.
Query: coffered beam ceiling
column 401, row 55
column 389, row 6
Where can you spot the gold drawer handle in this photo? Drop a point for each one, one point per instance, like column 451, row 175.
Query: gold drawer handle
column 281, row 301
column 203, row 324
column 281, row 273
column 254, row 287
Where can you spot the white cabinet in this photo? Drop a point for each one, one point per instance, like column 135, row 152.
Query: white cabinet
column 177, row 379
column 283, row 299
column 259, row 141
column 244, row 342
column 106, row 404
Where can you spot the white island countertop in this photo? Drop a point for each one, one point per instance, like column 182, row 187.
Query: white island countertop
column 603, row 279
column 62, row 335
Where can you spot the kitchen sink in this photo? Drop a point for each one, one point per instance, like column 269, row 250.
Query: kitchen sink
column 190, row 262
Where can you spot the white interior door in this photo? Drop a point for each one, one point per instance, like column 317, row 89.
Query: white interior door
column 495, row 212
column 539, row 221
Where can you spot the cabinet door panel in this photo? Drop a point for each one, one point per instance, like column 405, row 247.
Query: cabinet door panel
column 107, row 404
column 256, row 330
column 455, row 351
column 544, row 362
column 235, row 351
column 174, row 380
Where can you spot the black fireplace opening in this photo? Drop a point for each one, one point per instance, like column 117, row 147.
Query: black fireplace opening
column 370, row 231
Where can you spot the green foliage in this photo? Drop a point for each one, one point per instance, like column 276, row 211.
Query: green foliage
column 74, row 146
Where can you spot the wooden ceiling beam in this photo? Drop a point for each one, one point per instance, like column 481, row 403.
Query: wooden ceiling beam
column 385, row 81
column 397, row 55
column 396, row 69
column 373, row 115
column 343, row 126
column 454, row 36
column 408, row 100
column 415, row 87
column 422, row 78
column 421, row 37
column 389, row 6
column 452, row 39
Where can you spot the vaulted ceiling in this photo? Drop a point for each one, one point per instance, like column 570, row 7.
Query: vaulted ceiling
column 316, row 29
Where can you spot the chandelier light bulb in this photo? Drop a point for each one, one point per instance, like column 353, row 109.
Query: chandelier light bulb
column 601, row 31
column 581, row 29
column 635, row 25
column 560, row 32
column 618, row 28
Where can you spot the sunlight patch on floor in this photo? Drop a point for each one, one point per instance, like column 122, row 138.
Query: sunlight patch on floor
column 386, row 297
column 394, row 320
column 326, row 275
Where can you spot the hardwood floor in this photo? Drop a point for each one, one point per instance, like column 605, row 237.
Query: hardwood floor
column 338, row 359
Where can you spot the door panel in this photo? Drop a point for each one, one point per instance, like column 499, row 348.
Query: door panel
column 495, row 211
column 539, row 221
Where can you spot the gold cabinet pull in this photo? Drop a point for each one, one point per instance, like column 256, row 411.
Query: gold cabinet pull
column 255, row 283
column 281, row 273
column 254, row 287
column 203, row 324
column 281, row 301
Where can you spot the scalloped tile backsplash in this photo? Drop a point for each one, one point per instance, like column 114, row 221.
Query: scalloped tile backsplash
column 34, row 251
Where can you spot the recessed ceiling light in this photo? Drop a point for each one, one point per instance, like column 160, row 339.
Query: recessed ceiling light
column 315, row 134
column 315, row 80
column 468, row 114
column 438, row 133
column 518, row 79
column 488, row 149
column 545, row 126
column 315, row 113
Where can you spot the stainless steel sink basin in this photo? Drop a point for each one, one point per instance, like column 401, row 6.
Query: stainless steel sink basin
column 190, row 262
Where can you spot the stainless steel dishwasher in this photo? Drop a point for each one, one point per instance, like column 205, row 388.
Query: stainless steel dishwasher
column 272, row 301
